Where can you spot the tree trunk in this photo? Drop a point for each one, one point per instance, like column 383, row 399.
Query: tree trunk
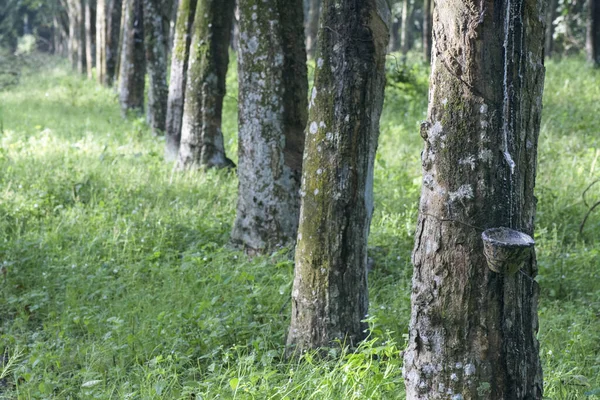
column 113, row 32
column 89, row 47
column 132, row 64
column 272, row 108
column 405, row 26
column 201, row 136
column 101, row 41
column 155, row 44
column 177, row 83
column 395, row 34
column 427, row 22
column 472, row 332
column 593, row 33
column 329, row 296
column 312, row 27
column 550, row 17
column 76, row 32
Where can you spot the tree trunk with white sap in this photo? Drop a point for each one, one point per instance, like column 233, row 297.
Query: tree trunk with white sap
column 177, row 82
column 272, row 105
column 156, row 62
column 330, row 296
column 472, row 332
column 133, row 62
column 201, row 136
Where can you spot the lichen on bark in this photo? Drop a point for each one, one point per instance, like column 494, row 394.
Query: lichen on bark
column 271, row 117
column 201, row 137
column 330, row 296
column 473, row 332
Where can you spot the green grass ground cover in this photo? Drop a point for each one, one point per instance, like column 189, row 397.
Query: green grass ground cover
column 119, row 282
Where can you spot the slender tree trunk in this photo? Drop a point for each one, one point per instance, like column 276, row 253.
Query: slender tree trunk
column 427, row 22
column 101, row 41
column 75, row 34
column 330, row 296
column 473, row 331
column 593, row 33
column 156, row 61
column 132, row 64
column 113, row 32
column 550, row 17
column 201, row 136
column 177, row 83
column 395, row 34
column 89, row 47
column 404, row 33
column 272, row 108
column 312, row 27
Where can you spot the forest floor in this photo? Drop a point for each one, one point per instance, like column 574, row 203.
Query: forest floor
column 118, row 282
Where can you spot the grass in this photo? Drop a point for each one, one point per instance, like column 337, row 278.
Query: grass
column 119, row 283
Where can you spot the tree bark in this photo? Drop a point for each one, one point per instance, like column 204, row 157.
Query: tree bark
column 329, row 296
column 593, row 33
column 472, row 332
column 76, row 35
column 312, row 27
column 272, row 108
column 113, row 31
column 89, row 47
column 101, row 41
column 156, row 62
column 132, row 64
column 201, row 136
column 427, row 22
column 177, row 83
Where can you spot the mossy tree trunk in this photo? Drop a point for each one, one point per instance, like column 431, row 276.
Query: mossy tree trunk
column 177, row 82
column 133, row 61
column 272, row 105
column 156, row 63
column 427, row 35
column 473, row 332
column 201, row 136
column 330, row 296
column 312, row 27
column 593, row 33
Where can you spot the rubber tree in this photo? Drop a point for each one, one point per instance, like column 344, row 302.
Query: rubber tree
column 132, row 68
column 179, row 66
column 76, row 35
column 592, row 43
column 472, row 331
column 156, row 64
column 89, row 39
column 201, row 136
column 427, row 22
column 101, row 30
column 330, row 295
column 272, row 110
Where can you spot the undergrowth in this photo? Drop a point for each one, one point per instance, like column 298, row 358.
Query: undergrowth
column 118, row 281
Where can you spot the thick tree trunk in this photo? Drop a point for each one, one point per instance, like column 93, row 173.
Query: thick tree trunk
column 550, row 17
column 312, row 27
column 89, row 47
column 593, row 33
column 201, row 136
column 329, row 296
column 101, row 41
column 132, row 64
column 156, row 62
column 177, row 83
column 272, row 108
column 113, row 32
column 427, row 36
column 473, row 331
